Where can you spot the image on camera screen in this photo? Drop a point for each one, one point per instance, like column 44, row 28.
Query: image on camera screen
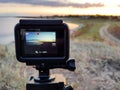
column 39, row 38
column 40, row 42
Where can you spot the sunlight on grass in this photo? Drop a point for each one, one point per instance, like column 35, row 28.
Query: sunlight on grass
column 90, row 31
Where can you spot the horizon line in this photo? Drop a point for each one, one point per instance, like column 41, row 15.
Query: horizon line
column 42, row 16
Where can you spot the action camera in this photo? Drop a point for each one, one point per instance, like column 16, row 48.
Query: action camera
column 44, row 44
column 42, row 41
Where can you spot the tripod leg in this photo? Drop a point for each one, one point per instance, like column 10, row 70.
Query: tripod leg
column 68, row 88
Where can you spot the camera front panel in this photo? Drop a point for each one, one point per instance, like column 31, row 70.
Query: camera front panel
column 42, row 43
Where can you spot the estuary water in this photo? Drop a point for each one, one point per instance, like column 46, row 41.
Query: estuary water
column 7, row 29
column 7, row 25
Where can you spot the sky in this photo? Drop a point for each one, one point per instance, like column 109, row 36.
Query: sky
column 59, row 7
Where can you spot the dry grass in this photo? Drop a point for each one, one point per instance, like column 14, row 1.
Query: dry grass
column 115, row 31
column 90, row 31
column 82, row 31
column 94, row 69
column 12, row 75
column 98, row 66
column 2, row 52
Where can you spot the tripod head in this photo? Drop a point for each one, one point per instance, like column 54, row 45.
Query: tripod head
column 45, row 81
column 44, row 74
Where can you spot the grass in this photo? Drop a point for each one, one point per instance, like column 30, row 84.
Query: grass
column 114, row 23
column 92, row 33
column 114, row 29
column 2, row 50
column 93, row 56
column 90, row 58
column 11, row 72
column 92, row 64
column 91, row 29
column 82, row 31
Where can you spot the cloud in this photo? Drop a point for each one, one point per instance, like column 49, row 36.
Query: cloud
column 86, row 5
column 54, row 3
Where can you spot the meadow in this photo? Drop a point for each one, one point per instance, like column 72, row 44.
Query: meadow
column 97, row 61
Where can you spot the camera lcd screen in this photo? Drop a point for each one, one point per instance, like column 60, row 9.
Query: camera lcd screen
column 40, row 43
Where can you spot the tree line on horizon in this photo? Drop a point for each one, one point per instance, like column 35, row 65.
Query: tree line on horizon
column 111, row 17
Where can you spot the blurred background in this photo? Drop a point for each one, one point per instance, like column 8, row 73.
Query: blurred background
column 94, row 41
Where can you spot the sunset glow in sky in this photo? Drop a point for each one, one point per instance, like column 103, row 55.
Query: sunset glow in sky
column 59, row 7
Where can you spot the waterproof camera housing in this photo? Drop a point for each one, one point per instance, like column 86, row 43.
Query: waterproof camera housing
column 42, row 41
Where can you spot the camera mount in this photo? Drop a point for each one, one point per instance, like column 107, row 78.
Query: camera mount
column 45, row 81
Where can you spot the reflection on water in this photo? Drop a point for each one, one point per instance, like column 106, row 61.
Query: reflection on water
column 72, row 26
column 7, row 29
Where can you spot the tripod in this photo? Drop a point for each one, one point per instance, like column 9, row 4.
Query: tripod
column 45, row 81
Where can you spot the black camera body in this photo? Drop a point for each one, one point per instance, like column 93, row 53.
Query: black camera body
column 42, row 41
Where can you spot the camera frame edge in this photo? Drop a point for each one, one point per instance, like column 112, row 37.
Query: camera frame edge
column 37, row 61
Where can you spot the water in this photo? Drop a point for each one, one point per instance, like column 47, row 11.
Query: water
column 72, row 26
column 7, row 29
column 7, row 25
